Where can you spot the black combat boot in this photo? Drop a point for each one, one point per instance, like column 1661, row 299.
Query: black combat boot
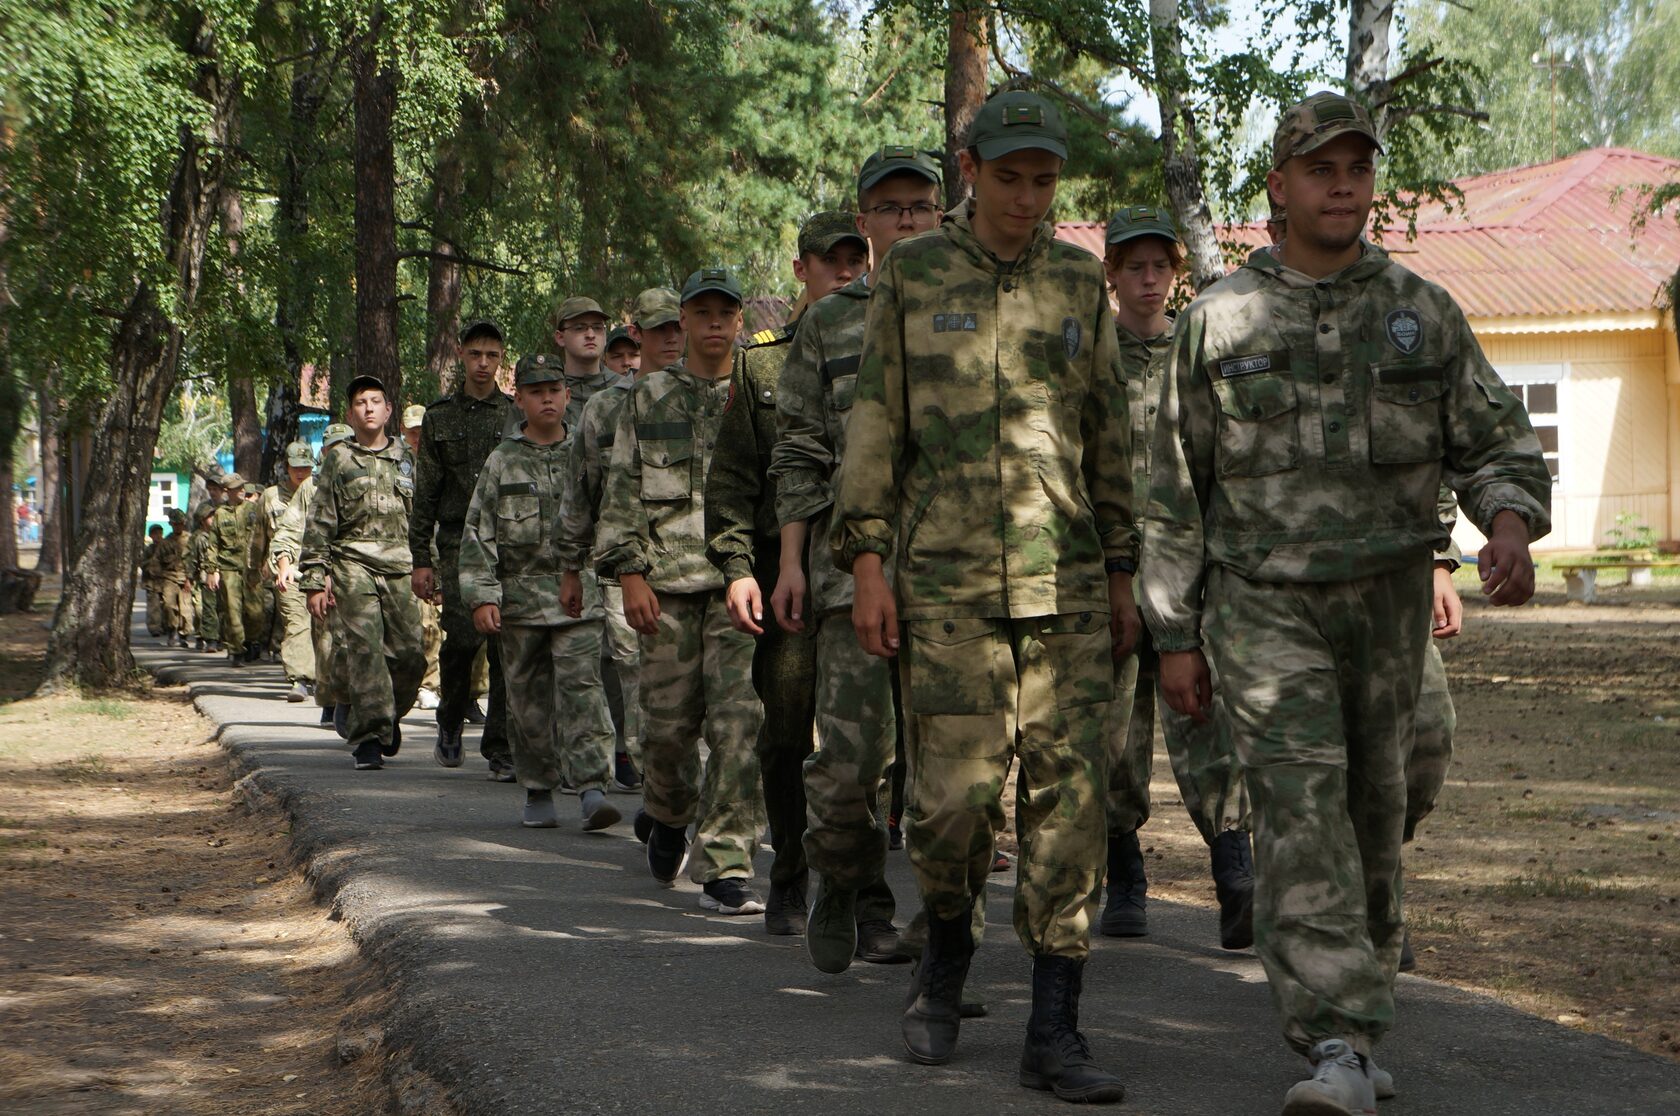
column 934, row 1013
column 1056, row 1058
column 1233, row 882
column 1128, row 888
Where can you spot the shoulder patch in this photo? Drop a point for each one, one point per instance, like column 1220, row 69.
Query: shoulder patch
column 771, row 336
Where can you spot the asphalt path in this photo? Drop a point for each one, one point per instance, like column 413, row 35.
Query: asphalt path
column 543, row 971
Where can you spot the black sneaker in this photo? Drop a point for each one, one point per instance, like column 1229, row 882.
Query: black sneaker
column 235, row 660
column 1001, row 861
column 784, row 913
column 367, row 757
column 447, row 750
column 327, row 715
column 877, row 943
column 475, row 714
column 642, row 825
column 501, row 771
column 729, row 897
column 667, row 852
column 395, row 745
column 341, row 720
column 895, row 834
column 625, row 776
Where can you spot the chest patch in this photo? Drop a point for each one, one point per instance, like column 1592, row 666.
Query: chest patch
column 956, row 323
column 405, row 467
column 1072, row 335
column 1245, row 365
column 1405, row 330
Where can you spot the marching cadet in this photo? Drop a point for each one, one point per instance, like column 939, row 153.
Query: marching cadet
column 744, row 543
column 297, row 652
column 230, row 534
column 456, row 435
column 559, row 724
column 988, row 455
column 431, row 616
column 201, row 563
column 151, row 579
column 1314, row 401
column 657, row 328
column 1143, row 258
column 580, row 333
column 623, row 355
column 696, row 670
column 177, row 590
column 857, row 725
column 283, row 551
column 355, row 567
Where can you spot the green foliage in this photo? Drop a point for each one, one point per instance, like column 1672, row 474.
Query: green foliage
column 195, row 429
column 1631, row 532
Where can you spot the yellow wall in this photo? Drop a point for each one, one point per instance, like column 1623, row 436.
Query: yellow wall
column 1619, row 414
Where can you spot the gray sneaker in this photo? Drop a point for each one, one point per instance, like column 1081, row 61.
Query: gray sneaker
column 298, row 692
column 597, row 812
column 1340, row 1084
column 539, row 810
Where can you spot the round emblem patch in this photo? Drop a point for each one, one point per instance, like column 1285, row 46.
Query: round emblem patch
column 1405, row 330
column 405, row 467
column 1072, row 335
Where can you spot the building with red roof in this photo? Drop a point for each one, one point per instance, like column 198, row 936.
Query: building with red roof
column 1568, row 297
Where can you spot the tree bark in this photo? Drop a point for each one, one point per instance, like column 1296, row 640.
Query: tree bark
column 375, row 96
column 295, row 304
column 89, row 645
column 966, row 72
column 46, row 410
column 12, row 396
column 242, row 390
column 443, row 282
column 1181, row 165
column 1369, row 22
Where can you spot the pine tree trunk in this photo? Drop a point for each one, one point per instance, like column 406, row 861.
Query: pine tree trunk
column 443, row 283
column 295, row 304
column 48, row 499
column 375, row 96
column 242, row 390
column 965, row 91
column 89, row 645
column 1181, row 165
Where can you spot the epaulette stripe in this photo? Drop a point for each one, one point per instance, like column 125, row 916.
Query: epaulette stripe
column 527, row 488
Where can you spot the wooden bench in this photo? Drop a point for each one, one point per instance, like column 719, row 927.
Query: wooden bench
column 1580, row 576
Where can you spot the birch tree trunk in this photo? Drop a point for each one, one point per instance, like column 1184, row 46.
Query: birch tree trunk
column 1181, row 165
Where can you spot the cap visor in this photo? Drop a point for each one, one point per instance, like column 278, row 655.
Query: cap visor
column 1008, row 145
column 657, row 319
column 706, row 288
column 866, row 181
column 1134, row 234
column 1319, row 141
column 827, row 243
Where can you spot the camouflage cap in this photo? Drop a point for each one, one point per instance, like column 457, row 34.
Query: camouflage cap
column 335, row 433
column 822, row 231
column 231, row 481
column 576, row 307
column 483, row 327
column 1140, row 220
column 1015, row 120
column 363, row 383
column 539, row 368
column 894, row 158
column 711, row 279
column 619, row 333
column 1310, row 124
column 298, row 455
column 252, row 488
column 413, row 415
column 656, row 306
column 175, row 515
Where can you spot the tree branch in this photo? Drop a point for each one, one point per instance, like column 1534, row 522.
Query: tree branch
column 464, row 261
column 1440, row 110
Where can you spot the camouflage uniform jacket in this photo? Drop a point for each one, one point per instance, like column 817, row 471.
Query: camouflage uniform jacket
column 583, row 389
column 1142, row 362
column 740, row 500
column 653, row 517
column 989, row 448
column 590, row 444
column 230, row 534
column 172, row 558
column 288, row 532
column 510, row 545
column 359, row 512
column 456, row 436
column 200, row 558
column 1307, row 426
column 151, row 567
column 271, row 506
column 813, row 402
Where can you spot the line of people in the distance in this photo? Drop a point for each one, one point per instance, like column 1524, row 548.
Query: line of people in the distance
column 918, row 511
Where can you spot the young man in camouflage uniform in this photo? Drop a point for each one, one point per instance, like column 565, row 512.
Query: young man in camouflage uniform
column 1314, row 402
column 283, row 551
column 559, row 725
column 355, row 567
column 580, row 333
column 431, row 616
column 1142, row 260
column 657, row 329
column 846, row 842
column 989, row 455
column 622, row 355
column 201, row 563
column 297, row 652
column 172, row 566
column 151, row 580
column 230, row 535
column 696, row 668
column 744, row 543
column 456, row 435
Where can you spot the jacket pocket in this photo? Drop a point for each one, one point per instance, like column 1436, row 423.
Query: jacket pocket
column 1257, row 432
column 954, row 670
column 667, row 469
column 517, row 521
column 451, row 446
column 1406, row 412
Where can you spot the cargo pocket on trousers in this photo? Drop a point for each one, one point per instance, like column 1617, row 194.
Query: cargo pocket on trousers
column 953, row 668
column 1076, row 645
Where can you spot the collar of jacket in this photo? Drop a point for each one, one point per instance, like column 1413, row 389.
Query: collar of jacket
column 959, row 229
column 520, row 436
column 495, row 399
column 394, row 448
column 681, row 372
column 1266, row 261
column 601, row 378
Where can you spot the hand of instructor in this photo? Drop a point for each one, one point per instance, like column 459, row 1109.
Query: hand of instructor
column 1505, row 565
column 874, row 610
column 1187, row 683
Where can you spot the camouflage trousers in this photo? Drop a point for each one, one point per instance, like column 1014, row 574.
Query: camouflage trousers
column 178, row 607
column 697, row 682
column 297, row 645
column 431, row 642
column 1437, row 720
column 329, row 691
column 155, row 625
column 979, row 692
column 1130, row 733
column 376, row 633
column 622, row 653
column 209, row 613
column 260, row 610
column 558, row 723
column 459, row 654
column 230, row 605
column 784, row 674
column 845, row 778
column 1321, row 685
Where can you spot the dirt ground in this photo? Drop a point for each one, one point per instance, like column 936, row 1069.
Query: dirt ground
column 158, row 953
column 1549, row 874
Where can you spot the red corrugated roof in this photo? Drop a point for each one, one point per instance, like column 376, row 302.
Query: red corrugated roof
column 1555, row 238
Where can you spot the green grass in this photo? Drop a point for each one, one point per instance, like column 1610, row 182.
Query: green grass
column 102, row 707
column 1548, row 884
column 1435, row 922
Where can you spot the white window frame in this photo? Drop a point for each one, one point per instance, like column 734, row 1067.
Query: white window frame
column 1524, row 375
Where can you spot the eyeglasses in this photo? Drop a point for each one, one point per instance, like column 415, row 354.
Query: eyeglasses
column 893, row 212
column 586, row 327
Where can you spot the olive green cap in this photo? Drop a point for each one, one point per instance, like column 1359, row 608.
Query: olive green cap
column 340, row 432
column 1015, row 120
column 1140, row 220
column 253, row 488
column 539, row 368
column 298, row 454
column 363, row 383
column 576, row 307
column 619, row 333
column 231, row 481
column 822, row 231
column 1310, row 124
column 712, row 279
column 656, row 306
column 892, row 159
column 483, row 327
column 175, row 515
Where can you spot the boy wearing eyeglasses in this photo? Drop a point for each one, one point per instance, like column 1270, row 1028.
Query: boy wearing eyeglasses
column 580, row 333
